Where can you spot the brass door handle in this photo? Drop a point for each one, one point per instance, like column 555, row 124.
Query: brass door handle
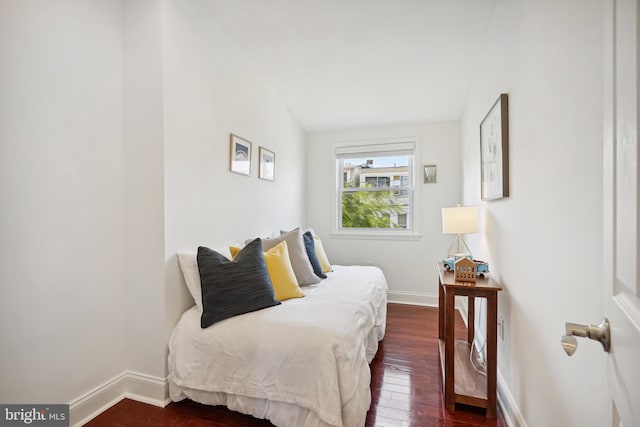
column 600, row 333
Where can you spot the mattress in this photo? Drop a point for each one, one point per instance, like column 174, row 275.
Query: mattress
column 302, row 363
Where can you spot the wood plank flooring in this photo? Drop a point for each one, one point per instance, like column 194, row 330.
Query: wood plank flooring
column 406, row 387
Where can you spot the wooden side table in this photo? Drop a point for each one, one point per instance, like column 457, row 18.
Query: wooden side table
column 462, row 383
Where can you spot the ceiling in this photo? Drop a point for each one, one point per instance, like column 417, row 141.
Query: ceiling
column 341, row 64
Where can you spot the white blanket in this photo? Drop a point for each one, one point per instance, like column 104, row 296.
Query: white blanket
column 309, row 353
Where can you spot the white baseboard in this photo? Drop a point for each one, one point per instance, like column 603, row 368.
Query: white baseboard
column 130, row 385
column 412, row 298
column 147, row 389
column 463, row 308
column 429, row 300
column 510, row 410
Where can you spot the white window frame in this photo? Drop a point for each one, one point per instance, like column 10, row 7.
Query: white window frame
column 362, row 149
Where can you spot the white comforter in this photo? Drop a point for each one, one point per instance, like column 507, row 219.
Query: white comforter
column 304, row 362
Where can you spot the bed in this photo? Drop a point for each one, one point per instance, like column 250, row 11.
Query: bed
column 304, row 362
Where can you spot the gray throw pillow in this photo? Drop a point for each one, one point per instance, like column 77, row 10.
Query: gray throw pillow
column 297, row 254
column 230, row 288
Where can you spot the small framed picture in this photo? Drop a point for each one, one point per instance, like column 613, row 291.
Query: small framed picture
column 430, row 174
column 267, row 164
column 494, row 151
column 240, row 156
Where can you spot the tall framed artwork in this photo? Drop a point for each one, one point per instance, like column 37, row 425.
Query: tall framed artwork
column 494, row 151
column 240, row 155
column 267, row 169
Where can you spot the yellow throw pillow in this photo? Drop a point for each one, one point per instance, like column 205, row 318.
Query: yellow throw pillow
column 322, row 255
column 280, row 270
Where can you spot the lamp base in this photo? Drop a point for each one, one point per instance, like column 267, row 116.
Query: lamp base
column 459, row 248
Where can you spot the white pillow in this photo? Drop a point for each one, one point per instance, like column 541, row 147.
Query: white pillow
column 189, row 266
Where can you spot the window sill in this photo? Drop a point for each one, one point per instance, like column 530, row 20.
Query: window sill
column 368, row 235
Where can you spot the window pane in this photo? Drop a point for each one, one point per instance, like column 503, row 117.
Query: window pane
column 376, row 172
column 377, row 181
column 402, row 220
column 374, row 209
column 376, row 188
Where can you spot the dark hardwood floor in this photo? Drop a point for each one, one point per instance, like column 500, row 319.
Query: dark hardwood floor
column 406, row 387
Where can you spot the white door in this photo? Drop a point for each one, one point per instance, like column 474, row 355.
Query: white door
column 621, row 212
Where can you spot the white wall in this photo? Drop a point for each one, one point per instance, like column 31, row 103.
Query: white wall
column 544, row 242
column 62, row 303
column 410, row 266
column 114, row 130
column 144, row 185
column 210, row 91
column 79, row 206
column 187, row 87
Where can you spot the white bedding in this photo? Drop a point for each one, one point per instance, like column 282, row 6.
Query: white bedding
column 302, row 363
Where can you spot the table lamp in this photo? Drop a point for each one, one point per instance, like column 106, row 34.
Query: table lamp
column 459, row 220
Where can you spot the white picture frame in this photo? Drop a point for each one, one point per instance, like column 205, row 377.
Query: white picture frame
column 240, row 155
column 494, row 151
column 267, row 168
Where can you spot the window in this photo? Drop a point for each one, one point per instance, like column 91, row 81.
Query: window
column 375, row 191
column 377, row 181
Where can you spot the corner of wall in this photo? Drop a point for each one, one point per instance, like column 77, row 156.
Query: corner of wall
column 128, row 385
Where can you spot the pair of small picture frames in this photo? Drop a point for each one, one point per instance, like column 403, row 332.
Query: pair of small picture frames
column 240, row 159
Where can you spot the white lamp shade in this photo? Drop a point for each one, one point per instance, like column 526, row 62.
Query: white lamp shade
column 460, row 220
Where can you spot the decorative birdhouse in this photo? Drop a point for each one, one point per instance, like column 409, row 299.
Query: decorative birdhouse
column 464, row 270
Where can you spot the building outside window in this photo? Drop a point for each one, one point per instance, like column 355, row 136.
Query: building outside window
column 375, row 191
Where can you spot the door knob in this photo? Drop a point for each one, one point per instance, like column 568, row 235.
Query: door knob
column 600, row 333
